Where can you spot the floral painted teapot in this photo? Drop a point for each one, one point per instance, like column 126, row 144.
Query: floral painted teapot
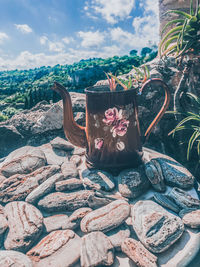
column 112, row 135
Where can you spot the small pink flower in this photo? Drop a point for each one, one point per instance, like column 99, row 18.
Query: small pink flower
column 98, row 143
column 112, row 115
column 120, row 128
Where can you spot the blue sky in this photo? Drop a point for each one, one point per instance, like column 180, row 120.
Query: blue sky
column 36, row 33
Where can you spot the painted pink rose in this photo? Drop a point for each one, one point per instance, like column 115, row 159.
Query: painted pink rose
column 112, row 115
column 120, row 128
column 98, row 142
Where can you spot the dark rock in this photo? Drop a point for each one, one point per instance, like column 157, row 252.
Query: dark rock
column 175, row 174
column 138, row 253
column 60, row 143
column 58, row 222
column 154, row 174
column 18, row 186
column 78, row 215
column 22, row 161
column 118, row 235
column 96, row 250
column 71, row 201
column 69, row 184
column 96, row 179
column 190, row 217
column 156, row 228
column 166, row 202
column 133, row 182
column 58, row 249
column 46, row 187
column 25, row 225
column 183, row 199
column 10, row 258
column 106, row 218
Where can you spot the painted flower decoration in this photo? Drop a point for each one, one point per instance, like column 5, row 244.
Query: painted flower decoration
column 112, row 115
column 98, row 143
column 120, row 128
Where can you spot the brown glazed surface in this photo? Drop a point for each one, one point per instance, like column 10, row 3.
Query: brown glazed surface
column 113, row 137
column 112, row 134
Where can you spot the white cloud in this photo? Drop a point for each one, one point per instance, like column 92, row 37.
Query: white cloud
column 67, row 40
column 24, row 28
column 111, row 10
column 43, row 40
column 3, row 37
column 56, row 46
column 90, row 39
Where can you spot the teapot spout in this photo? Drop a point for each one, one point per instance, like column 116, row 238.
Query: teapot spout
column 73, row 132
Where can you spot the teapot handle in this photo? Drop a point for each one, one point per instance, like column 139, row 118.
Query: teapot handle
column 163, row 108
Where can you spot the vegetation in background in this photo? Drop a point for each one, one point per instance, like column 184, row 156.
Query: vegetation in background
column 184, row 37
column 22, row 89
column 191, row 124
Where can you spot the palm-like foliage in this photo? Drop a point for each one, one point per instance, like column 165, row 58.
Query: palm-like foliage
column 191, row 122
column 136, row 79
column 185, row 35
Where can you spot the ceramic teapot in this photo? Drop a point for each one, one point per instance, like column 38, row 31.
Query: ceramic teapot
column 112, row 135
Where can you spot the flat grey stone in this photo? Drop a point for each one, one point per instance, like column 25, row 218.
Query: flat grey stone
column 118, row 235
column 133, row 182
column 25, row 225
column 155, row 227
column 22, row 161
column 60, row 201
column 76, row 159
column 78, row 215
column 175, row 174
column 138, row 253
column 107, row 217
column 191, row 217
column 68, row 185
column 69, row 170
column 60, row 248
column 60, row 143
column 11, row 258
column 96, row 250
column 97, row 179
column 54, row 156
column 3, row 221
column 18, row 186
column 57, row 222
column 44, row 188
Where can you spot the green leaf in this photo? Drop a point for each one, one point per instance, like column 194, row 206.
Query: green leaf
column 193, row 138
column 168, row 42
column 174, row 21
column 191, row 8
column 179, row 12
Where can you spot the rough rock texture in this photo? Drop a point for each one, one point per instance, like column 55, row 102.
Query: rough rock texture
column 57, row 222
column 25, row 225
column 22, row 161
column 18, row 186
column 60, row 248
column 190, row 217
column 69, row 184
column 60, row 143
column 44, row 188
column 132, row 182
column 97, row 179
column 154, row 174
column 156, row 228
column 71, row 201
column 69, row 170
column 3, row 221
column 175, row 174
column 118, row 235
column 10, row 258
column 184, row 199
column 106, row 218
column 138, row 253
column 96, row 249
column 78, row 215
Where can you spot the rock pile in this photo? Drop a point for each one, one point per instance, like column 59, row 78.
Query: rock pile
column 63, row 215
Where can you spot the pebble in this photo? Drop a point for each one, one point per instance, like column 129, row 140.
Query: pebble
column 11, row 258
column 68, row 185
column 191, row 217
